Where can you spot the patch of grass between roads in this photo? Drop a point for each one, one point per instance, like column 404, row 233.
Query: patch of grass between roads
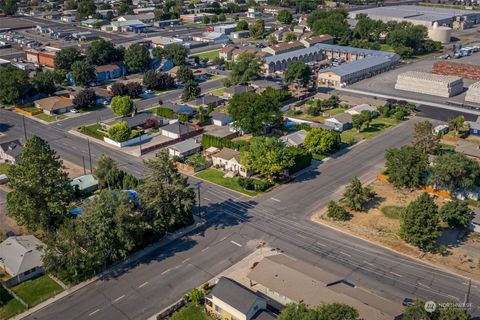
column 37, row 290
column 216, row 176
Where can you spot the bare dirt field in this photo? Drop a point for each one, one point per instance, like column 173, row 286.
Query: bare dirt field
column 463, row 255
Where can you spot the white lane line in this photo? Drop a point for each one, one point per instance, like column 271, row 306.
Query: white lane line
column 119, row 298
column 275, row 199
column 92, row 313
column 236, row 243
column 204, row 249
column 165, row 272
column 396, row 274
column 143, row 284
column 301, row 236
column 423, row 285
column 205, row 198
column 345, row 254
column 185, row 260
column 321, row 244
column 222, row 239
column 370, row 264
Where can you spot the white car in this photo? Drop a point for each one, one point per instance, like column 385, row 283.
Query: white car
column 73, row 110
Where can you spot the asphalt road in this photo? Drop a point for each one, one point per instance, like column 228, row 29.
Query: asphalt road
column 280, row 217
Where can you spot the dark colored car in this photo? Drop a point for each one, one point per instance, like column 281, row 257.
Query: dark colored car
column 407, row 301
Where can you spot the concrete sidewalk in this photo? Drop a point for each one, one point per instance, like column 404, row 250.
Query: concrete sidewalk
column 169, row 238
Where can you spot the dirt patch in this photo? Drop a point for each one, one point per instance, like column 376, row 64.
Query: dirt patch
column 463, row 256
column 72, row 169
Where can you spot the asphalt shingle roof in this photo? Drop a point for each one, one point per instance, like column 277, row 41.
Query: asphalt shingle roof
column 20, row 254
column 235, row 295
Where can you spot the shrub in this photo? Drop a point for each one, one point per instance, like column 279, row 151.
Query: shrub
column 261, row 185
column 336, row 212
column 119, row 132
column 151, row 123
column 196, row 160
column 303, row 159
column 212, row 141
column 246, row 183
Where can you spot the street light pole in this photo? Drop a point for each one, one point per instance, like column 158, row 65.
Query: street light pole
column 89, row 155
column 24, row 128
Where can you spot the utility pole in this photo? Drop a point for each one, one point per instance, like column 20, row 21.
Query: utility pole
column 467, row 295
column 24, row 129
column 89, row 155
column 140, row 145
column 84, row 169
column 198, row 201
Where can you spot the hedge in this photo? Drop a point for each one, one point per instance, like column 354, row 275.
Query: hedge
column 303, row 159
column 212, row 141
column 166, row 112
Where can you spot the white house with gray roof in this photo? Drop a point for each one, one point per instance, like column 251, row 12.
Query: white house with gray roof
column 184, row 148
column 10, row 151
column 294, row 139
column 21, row 258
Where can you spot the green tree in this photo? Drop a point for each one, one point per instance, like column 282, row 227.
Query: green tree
column 44, row 82
column 83, row 73
column 297, row 311
column 184, row 74
column 290, row 36
column 14, row 84
column 107, row 172
column 119, row 132
column 285, row 16
column 257, row 28
column 167, row 199
column 222, row 17
column 251, row 112
column 85, row 98
column 424, row 139
column 137, row 58
column 205, row 19
column 122, row 105
column 268, row 156
column 245, row 68
column 177, row 53
column 103, row 52
column 41, row 189
column 65, row 58
column 454, row 172
column 158, row 53
column 456, row 124
column 329, row 21
column 335, row 311
column 191, row 90
column 214, row 19
column 242, row 25
column 298, row 72
column 419, row 226
column 196, row 296
column 356, row 196
column 9, row 7
column 416, row 311
column 456, row 213
column 405, row 166
column 322, row 141
column 452, row 312
column 85, row 8
column 336, row 211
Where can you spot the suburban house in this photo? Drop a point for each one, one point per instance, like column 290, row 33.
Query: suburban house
column 233, row 90
column 313, row 40
column 110, row 71
column 137, row 121
column 294, row 139
column 178, row 108
column 362, row 107
column 230, row 300
column 205, row 101
column 220, row 119
column 261, row 85
column 177, row 130
column 54, row 105
column 21, row 258
column 340, row 122
column 229, row 160
column 84, row 184
column 10, row 151
column 184, row 148
column 284, row 280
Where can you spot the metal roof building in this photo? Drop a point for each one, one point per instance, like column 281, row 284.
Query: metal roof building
column 419, row 15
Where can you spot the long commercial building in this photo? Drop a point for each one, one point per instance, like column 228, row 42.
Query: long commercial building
column 473, row 93
column 429, row 83
column 322, row 51
column 422, row 15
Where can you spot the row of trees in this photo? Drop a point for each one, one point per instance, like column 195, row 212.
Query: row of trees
column 111, row 225
column 332, row 311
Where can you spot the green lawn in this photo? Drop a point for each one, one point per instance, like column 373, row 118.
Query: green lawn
column 37, row 290
column 190, row 312
column 377, row 126
column 210, row 55
column 9, row 306
column 46, row 117
column 386, row 47
column 93, row 131
column 393, row 212
column 4, row 167
column 218, row 92
column 30, row 109
column 216, row 176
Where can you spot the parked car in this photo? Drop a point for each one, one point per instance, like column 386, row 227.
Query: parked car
column 407, row 302
column 73, row 110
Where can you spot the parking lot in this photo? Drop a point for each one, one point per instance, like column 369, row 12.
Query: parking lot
column 385, row 83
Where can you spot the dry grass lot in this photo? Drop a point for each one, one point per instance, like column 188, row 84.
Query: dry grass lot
column 381, row 224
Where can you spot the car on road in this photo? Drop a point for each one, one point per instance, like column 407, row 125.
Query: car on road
column 407, row 302
column 73, row 110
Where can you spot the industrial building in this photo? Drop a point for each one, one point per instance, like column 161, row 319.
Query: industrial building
column 440, row 33
column 473, row 93
column 422, row 15
column 429, row 83
column 355, row 71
